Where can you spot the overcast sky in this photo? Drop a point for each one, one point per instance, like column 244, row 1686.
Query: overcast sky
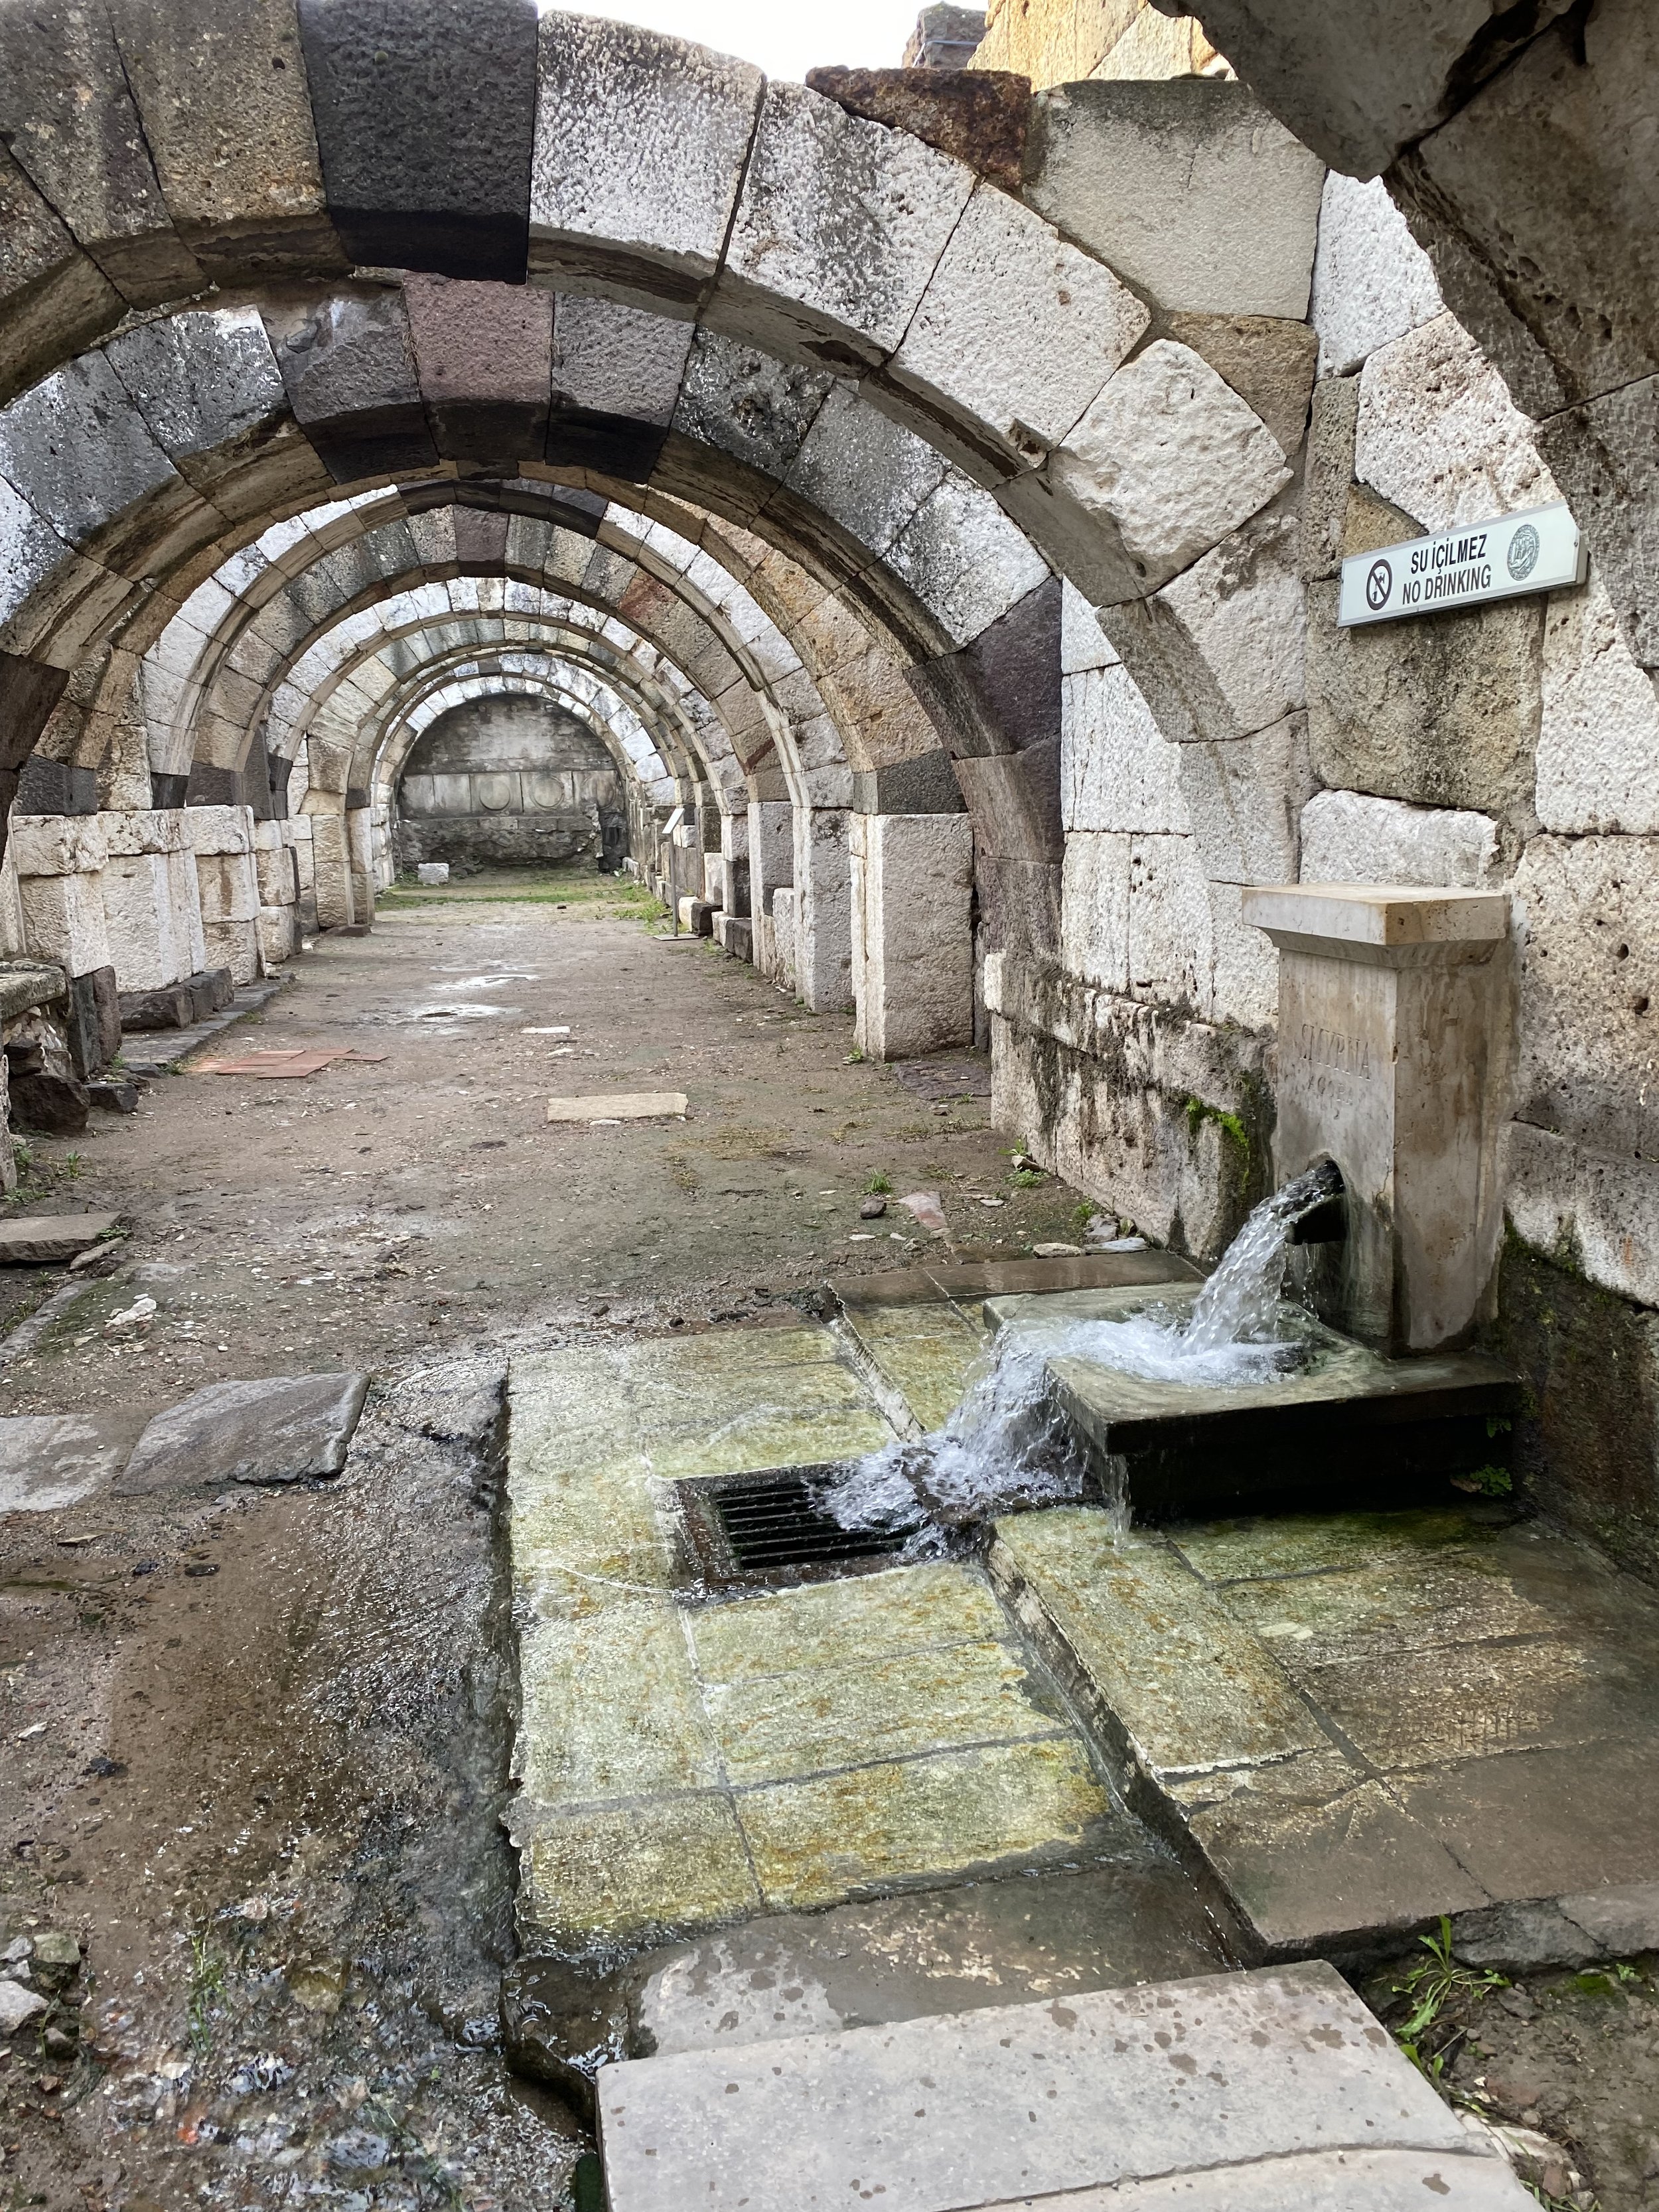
column 785, row 38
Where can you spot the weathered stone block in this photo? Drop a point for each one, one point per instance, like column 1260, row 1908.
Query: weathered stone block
column 57, row 844
column 425, row 118
column 203, row 382
column 484, row 355
column 1268, row 360
column 641, row 142
column 1118, row 771
column 1604, row 456
column 1347, row 838
column 218, row 828
column 1438, row 435
column 614, row 360
column 222, row 92
column 1357, row 85
column 1173, row 456
column 78, row 451
column 839, row 225
column 1372, row 282
column 349, row 364
column 63, row 921
column 94, row 1021
column 912, row 877
column 228, row 889
column 152, row 912
column 1444, row 711
column 234, row 944
column 1094, row 909
column 67, row 108
column 1598, row 743
column 286, row 1428
column 965, row 562
column 979, row 115
column 1188, row 188
column 1590, row 986
column 48, row 1240
column 1219, row 652
column 1328, row 477
column 737, row 398
column 55, row 296
column 1244, row 799
column 1016, row 332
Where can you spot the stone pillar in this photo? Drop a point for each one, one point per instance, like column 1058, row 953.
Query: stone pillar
column 277, row 921
column 152, row 899
column 328, row 766
column 305, row 871
column 1396, row 1029
column 360, row 842
column 60, row 860
column 221, row 838
column 823, row 909
column 771, row 866
column 782, row 938
column 913, row 939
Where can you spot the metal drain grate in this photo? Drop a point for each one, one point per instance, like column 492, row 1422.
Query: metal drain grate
column 774, row 1523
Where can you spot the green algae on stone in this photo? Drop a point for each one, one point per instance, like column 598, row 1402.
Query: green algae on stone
column 1191, row 1687
column 611, row 1709
column 815, row 1841
column 821, row 1623
column 1306, row 1543
column 594, row 1878
column 925, row 1350
column 878, row 1707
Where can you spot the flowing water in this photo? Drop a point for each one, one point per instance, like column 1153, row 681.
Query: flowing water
column 1006, row 1445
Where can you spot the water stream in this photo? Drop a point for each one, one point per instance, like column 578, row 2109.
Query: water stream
column 1006, row 1445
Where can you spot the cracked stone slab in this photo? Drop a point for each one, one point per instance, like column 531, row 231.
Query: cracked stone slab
column 49, row 1461
column 1230, row 2089
column 285, row 1428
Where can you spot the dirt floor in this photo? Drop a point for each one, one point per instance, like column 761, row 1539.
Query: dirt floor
column 255, row 1744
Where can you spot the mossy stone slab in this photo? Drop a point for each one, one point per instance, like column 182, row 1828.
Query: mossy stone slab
column 1191, row 1687
column 594, row 1878
column 925, row 1350
column 1311, row 1543
column 611, row 1708
column 821, row 1623
column 885, row 1705
column 818, row 1841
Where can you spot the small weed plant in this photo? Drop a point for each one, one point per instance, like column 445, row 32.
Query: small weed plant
column 1429, row 1987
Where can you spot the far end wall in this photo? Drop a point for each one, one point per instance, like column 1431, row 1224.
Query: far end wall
column 510, row 782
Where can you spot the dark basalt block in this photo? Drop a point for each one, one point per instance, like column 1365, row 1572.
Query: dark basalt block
column 426, row 116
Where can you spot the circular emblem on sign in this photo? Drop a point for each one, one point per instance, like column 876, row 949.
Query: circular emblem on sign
column 1378, row 584
column 1523, row 552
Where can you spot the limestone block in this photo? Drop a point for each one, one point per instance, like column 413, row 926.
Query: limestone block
column 1244, row 969
column 1443, row 712
column 965, row 560
column 640, row 144
column 276, row 928
column 1358, row 85
column 616, row 360
column 1602, row 1207
column 861, row 468
column 203, row 382
column 822, row 901
column 1189, row 189
column 218, row 828
column 152, row 915
column 63, row 921
column 424, row 121
column 1082, row 644
column 145, row 829
column 1173, row 456
column 1372, row 282
column 222, row 93
column 1244, row 800
column 1438, row 435
column 229, row 886
column 912, row 941
column 14, row 944
column 1327, row 487
column 483, row 353
column 1171, row 937
column 1598, row 741
column 1219, row 653
column 58, row 845
column 67, row 108
column 782, row 948
column 273, row 863
column 1605, row 455
column 348, row 363
column 1589, row 989
column 1348, row 838
column 331, row 872
column 1094, row 909
column 1268, row 360
column 236, row 945
column 1118, row 771
column 79, row 450
column 838, row 229
column 737, row 398
column 1017, row 330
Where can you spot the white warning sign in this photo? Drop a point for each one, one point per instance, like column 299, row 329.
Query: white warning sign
column 1540, row 551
